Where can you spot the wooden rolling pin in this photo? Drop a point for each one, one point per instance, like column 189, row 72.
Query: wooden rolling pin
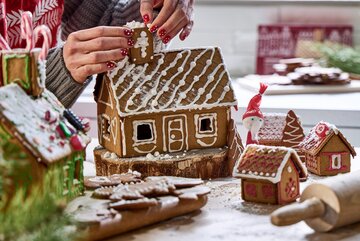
column 324, row 206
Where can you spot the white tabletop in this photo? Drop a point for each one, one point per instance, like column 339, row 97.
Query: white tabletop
column 227, row 217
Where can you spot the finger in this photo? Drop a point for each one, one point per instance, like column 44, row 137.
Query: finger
column 174, row 31
column 102, row 31
column 167, row 10
column 100, row 57
column 176, row 21
column 104, row 43
column 186, row 31
column 83, row 72
column 146, row 10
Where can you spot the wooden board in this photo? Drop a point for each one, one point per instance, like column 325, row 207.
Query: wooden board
column 205, row 164
column 251, row 82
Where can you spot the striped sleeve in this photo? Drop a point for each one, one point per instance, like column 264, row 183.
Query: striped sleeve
column 59, row 80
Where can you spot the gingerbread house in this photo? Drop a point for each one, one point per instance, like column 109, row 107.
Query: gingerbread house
column 40, row 133
column 269, row 174
column 177, row 102
column 282, row 129
column 327, row 151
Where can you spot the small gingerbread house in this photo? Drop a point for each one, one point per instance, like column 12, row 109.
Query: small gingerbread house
column 179, row 101
column 43, row 134
column 269, row 174
column 327, row 151
column 282, row 129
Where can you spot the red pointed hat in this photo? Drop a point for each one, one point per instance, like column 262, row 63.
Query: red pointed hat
column 253, row 108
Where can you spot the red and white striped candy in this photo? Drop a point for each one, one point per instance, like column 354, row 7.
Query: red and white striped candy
column 3, row 43
column 46, row 33
column 27, row 29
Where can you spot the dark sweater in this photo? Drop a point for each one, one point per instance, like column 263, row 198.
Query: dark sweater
column 83, row 14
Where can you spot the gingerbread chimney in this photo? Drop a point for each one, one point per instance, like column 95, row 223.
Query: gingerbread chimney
column 143, row 49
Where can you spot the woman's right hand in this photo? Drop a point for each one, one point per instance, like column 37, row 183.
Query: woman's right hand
column 91, row 51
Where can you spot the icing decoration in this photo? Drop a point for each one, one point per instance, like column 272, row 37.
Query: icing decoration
column 269, row 161
column 76, row 143
column 141, row 90
column 183, row 130
column 64, row 130
column 25, row 83
column 208, row 134
column 322, row 130
column 73, row 119
column 142, row 42
column 3, row 43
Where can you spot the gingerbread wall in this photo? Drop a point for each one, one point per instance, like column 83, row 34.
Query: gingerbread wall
column 107, row 117
column 289, row 184
column 263, row 191
column 334, row 145
column 176, row 131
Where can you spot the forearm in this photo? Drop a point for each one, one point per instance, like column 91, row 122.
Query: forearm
column 59, row 80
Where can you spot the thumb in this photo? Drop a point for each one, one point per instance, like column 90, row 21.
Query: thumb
column 146, row 10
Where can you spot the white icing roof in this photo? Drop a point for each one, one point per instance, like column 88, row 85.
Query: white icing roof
column 27, row 119
column 273, row 128
column 176, row 79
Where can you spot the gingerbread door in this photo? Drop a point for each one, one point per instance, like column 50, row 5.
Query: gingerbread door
column 175, row 133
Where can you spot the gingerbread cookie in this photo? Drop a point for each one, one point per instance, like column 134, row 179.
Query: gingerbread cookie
column 113, row 180
column 178, row 182
column 193, row 193
column 140, row 190
column 134, row 204
column 319, row 76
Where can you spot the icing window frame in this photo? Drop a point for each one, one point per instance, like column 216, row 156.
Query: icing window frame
column 336, row 161
column 105, row 127
column 151, row 124
column 213, row 124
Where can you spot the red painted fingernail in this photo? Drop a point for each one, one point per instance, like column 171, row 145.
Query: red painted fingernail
column 131, row 42
column 110, row 65
column 183, row 37
column 128, row 32
column 146, row 18
column 162, row 33
column 166, row 39
column 124, row 52
column 153, row 28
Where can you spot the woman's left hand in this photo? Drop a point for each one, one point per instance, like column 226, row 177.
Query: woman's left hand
column 175, row 16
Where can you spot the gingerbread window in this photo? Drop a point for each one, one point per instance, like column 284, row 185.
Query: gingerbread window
column 206, row 125
column 144, row 132
column 336, row 161
column 105, row 127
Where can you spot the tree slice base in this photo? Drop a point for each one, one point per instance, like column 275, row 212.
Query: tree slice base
column 204, row 163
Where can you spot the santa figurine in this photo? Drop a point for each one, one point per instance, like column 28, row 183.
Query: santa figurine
column 253, row 118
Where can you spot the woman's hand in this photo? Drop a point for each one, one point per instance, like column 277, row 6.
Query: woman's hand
column 175, row 16
column 91, row 51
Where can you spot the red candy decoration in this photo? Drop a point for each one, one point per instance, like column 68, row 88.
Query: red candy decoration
column 76, row 143
column 321, row 130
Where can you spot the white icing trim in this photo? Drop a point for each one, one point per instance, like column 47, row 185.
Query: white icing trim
column 123, row 137
column 105, row 134
column 142, row 42
column 333, row 158
column 206, row 134
column 153, row 139
column 144, row 152
column 114, row 130
column 183, row 127
column 101, row 100
column 275, row 177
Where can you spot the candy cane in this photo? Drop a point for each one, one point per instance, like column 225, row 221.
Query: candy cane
column 45, row 32
column 3, row 44
column 27, row 29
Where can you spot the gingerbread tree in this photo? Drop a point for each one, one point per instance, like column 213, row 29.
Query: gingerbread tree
column 293, row 132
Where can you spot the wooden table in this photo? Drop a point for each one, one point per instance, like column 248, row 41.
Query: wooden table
column 228, row 217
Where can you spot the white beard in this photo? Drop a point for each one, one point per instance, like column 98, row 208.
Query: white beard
column 253, row 124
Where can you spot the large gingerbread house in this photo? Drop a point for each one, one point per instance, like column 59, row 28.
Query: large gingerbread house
column 41, row 133
column 282, row 129
column 269, row 174
column 180, row 101
column 327, row 151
